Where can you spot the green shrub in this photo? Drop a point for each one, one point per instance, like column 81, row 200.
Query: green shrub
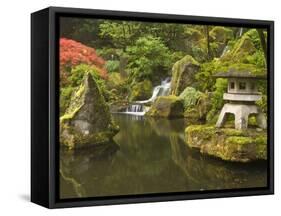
column 190, row 97
column 204, row 77
column 148, row 58
column 217, row 98
column 112, row 66
column 141, row 91
column 77, row 74
column 65, row 95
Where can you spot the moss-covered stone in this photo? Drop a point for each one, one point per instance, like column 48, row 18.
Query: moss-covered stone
column 141, row 91
column 221, row 34
column 167, row 106
column 241, row 50
column 219, row 37
column 87, row 120
column 228, row 144
column 183, row 74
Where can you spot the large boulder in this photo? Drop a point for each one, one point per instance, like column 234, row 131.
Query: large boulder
column 183, row 74
column 87, row 120
column 227, row 143
column 167, row 106
column 243, row 48
column 221, row 34
column 141, row 91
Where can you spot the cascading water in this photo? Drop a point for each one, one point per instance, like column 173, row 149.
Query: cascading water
column 225, row 50
column 139, row 108
column 240, row 32
column 160, row 90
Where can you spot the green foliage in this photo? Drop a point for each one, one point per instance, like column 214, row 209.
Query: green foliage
column 190, row 97
column 217, row 98
column 77, row 73
column 262, row 103
column 112, row 65
column 256, row 59
column 147, row 58
column 117, row 87
column 141, row 91
column 204, row 76
column 221, row 34
column 109, row 53
column 121, row 33
column 199, row 53
column 65, row 96
column 254, row 36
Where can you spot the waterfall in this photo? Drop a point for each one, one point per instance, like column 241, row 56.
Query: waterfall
column 225, row 50
column 240, row 32
column 139, row 108
column 160, row 90
column 135, row 108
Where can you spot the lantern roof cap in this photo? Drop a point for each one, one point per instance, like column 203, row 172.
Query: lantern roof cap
column 233, row 73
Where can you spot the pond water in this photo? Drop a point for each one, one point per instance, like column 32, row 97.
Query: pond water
column 150, row 156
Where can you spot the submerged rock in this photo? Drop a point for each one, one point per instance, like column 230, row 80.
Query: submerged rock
column 87, row 120
column 227, row 143
column 183, row 74
column 167, row 106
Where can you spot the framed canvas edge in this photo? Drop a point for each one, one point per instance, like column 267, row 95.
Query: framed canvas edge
column 53, row 126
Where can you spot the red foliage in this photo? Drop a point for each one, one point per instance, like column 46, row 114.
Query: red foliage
column 73, row 53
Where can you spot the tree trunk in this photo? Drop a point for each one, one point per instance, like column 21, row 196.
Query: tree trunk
column 208, row 43
column 263, row 42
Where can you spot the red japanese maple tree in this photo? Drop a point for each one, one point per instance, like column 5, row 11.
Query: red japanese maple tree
column 73, row 53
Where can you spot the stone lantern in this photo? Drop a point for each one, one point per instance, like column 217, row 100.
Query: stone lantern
column 242, row 93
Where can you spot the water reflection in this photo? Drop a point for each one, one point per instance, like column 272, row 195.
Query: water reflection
column 149, row 156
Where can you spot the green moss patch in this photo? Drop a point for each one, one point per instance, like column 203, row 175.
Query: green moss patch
column 228, row 144
column 167, row 106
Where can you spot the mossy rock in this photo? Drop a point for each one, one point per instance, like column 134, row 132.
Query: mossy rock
column 141, row 91
column 245, row 54
column 228, row 144
column 192, row 115
column 183, row 74
column 219, row 37
column 167, row 106
column 242, row 48
column 221, row 34
column 87, row 120
column 193, row 34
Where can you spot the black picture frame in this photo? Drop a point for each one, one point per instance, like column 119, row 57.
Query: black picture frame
column 45, row 113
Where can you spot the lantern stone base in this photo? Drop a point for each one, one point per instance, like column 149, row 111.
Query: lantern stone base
column 241, row 113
